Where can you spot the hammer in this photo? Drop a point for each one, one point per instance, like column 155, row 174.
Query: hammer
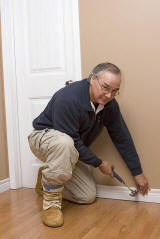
column 133, row 193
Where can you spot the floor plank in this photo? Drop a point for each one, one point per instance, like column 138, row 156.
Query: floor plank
column 106, row 218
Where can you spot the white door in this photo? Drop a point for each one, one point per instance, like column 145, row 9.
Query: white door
column 46, row 56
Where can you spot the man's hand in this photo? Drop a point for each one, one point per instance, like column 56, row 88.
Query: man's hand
column 142, row 183
column 107, row 168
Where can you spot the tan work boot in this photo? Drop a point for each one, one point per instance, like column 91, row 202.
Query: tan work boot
column 52, row 200
column 39, row 187
column 52, row 217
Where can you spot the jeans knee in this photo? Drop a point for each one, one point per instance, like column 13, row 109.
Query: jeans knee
column 91, row 197
column 88, row 198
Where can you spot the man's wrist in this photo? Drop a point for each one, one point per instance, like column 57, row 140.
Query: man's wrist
column 101, row 164
column 136, row 172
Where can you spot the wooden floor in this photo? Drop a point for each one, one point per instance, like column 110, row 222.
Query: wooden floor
column 112, row 219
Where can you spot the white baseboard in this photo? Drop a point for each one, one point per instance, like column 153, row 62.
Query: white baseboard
column 112, row 192
column 4, row 185
column 117, row 192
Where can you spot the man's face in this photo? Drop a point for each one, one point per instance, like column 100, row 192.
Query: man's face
column 105, row 87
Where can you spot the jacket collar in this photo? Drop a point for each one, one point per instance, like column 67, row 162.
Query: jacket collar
column 86, row 96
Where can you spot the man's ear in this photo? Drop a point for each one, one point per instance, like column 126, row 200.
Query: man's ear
column 91, row 80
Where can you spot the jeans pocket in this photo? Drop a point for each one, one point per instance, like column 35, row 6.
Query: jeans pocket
column 37, row 146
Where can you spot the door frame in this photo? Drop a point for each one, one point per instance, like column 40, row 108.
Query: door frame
column 10, row 83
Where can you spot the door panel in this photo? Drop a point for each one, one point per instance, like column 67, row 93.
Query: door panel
column 45, row 47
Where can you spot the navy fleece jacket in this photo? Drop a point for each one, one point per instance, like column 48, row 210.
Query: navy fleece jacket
column 70, row 111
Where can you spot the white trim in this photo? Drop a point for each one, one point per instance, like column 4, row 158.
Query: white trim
column 4, row 185
column 117, row 192
column 10, row 90
column 76, row 34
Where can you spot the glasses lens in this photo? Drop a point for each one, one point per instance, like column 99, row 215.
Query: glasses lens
column 107, row 88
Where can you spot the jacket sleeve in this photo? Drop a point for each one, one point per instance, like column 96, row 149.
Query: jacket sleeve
column 67, row 120
column 122, row 139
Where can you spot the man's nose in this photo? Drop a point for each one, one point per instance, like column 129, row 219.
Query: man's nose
column 108, row 94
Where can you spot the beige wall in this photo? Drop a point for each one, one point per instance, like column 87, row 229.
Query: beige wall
column 127, row 33
column 3, row 141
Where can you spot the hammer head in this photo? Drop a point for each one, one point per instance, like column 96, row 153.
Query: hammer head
column 133, row 193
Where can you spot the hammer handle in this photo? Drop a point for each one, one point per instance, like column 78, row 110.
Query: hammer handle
column 118, row 177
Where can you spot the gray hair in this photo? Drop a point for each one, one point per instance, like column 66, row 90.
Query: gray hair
column 106, row 66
